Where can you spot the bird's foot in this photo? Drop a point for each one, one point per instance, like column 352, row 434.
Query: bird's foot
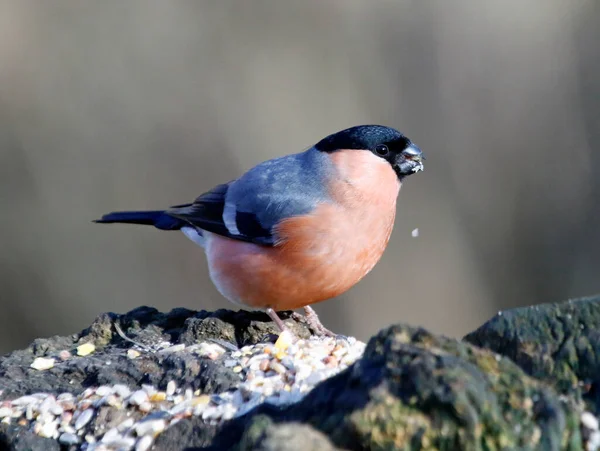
column 310, row 318
column 315, row 324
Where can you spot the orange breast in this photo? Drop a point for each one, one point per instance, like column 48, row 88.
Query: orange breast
column 320, row 255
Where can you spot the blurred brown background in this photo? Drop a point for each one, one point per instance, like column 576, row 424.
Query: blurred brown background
column 113, row 105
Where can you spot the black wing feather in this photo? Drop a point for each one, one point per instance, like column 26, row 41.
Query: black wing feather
column 206, row 213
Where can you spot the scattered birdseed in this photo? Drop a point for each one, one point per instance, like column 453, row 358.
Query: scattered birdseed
column 589, row 421
column 175, row 348
column 593, row 443
column 144, row 443
column 42, row 364
column 171, row 387
column 84, row 418
column 67, row 438
column 64, row 355
column 85, row 349
column 280, row 374
column 138, row 397
column 132, row 354
column 591, row 431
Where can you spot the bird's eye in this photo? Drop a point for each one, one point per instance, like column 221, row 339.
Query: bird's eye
column 382, row 150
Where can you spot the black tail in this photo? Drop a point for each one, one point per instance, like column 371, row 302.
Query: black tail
column 158, row 219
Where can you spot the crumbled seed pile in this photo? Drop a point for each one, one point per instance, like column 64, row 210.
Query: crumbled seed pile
column 280, row 373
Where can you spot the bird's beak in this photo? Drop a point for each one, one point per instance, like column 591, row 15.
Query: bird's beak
column 409, row 161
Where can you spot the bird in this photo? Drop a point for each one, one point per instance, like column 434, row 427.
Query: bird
column 301, row 228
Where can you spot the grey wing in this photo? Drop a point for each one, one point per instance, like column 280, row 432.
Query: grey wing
column 249, row 208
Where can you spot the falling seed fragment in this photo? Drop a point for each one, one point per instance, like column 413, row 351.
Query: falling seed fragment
column 42, row 364
column 415, row 233
column 85, row 349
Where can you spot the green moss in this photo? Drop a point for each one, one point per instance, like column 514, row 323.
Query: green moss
column 416, row 391
column 557, row 343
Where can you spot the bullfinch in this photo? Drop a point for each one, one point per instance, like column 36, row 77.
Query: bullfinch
column 301, row 228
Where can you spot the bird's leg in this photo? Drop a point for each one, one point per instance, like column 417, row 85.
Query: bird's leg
column 315, row 324
column 277, row 320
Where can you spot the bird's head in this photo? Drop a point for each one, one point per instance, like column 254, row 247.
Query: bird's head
column 384, row 142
